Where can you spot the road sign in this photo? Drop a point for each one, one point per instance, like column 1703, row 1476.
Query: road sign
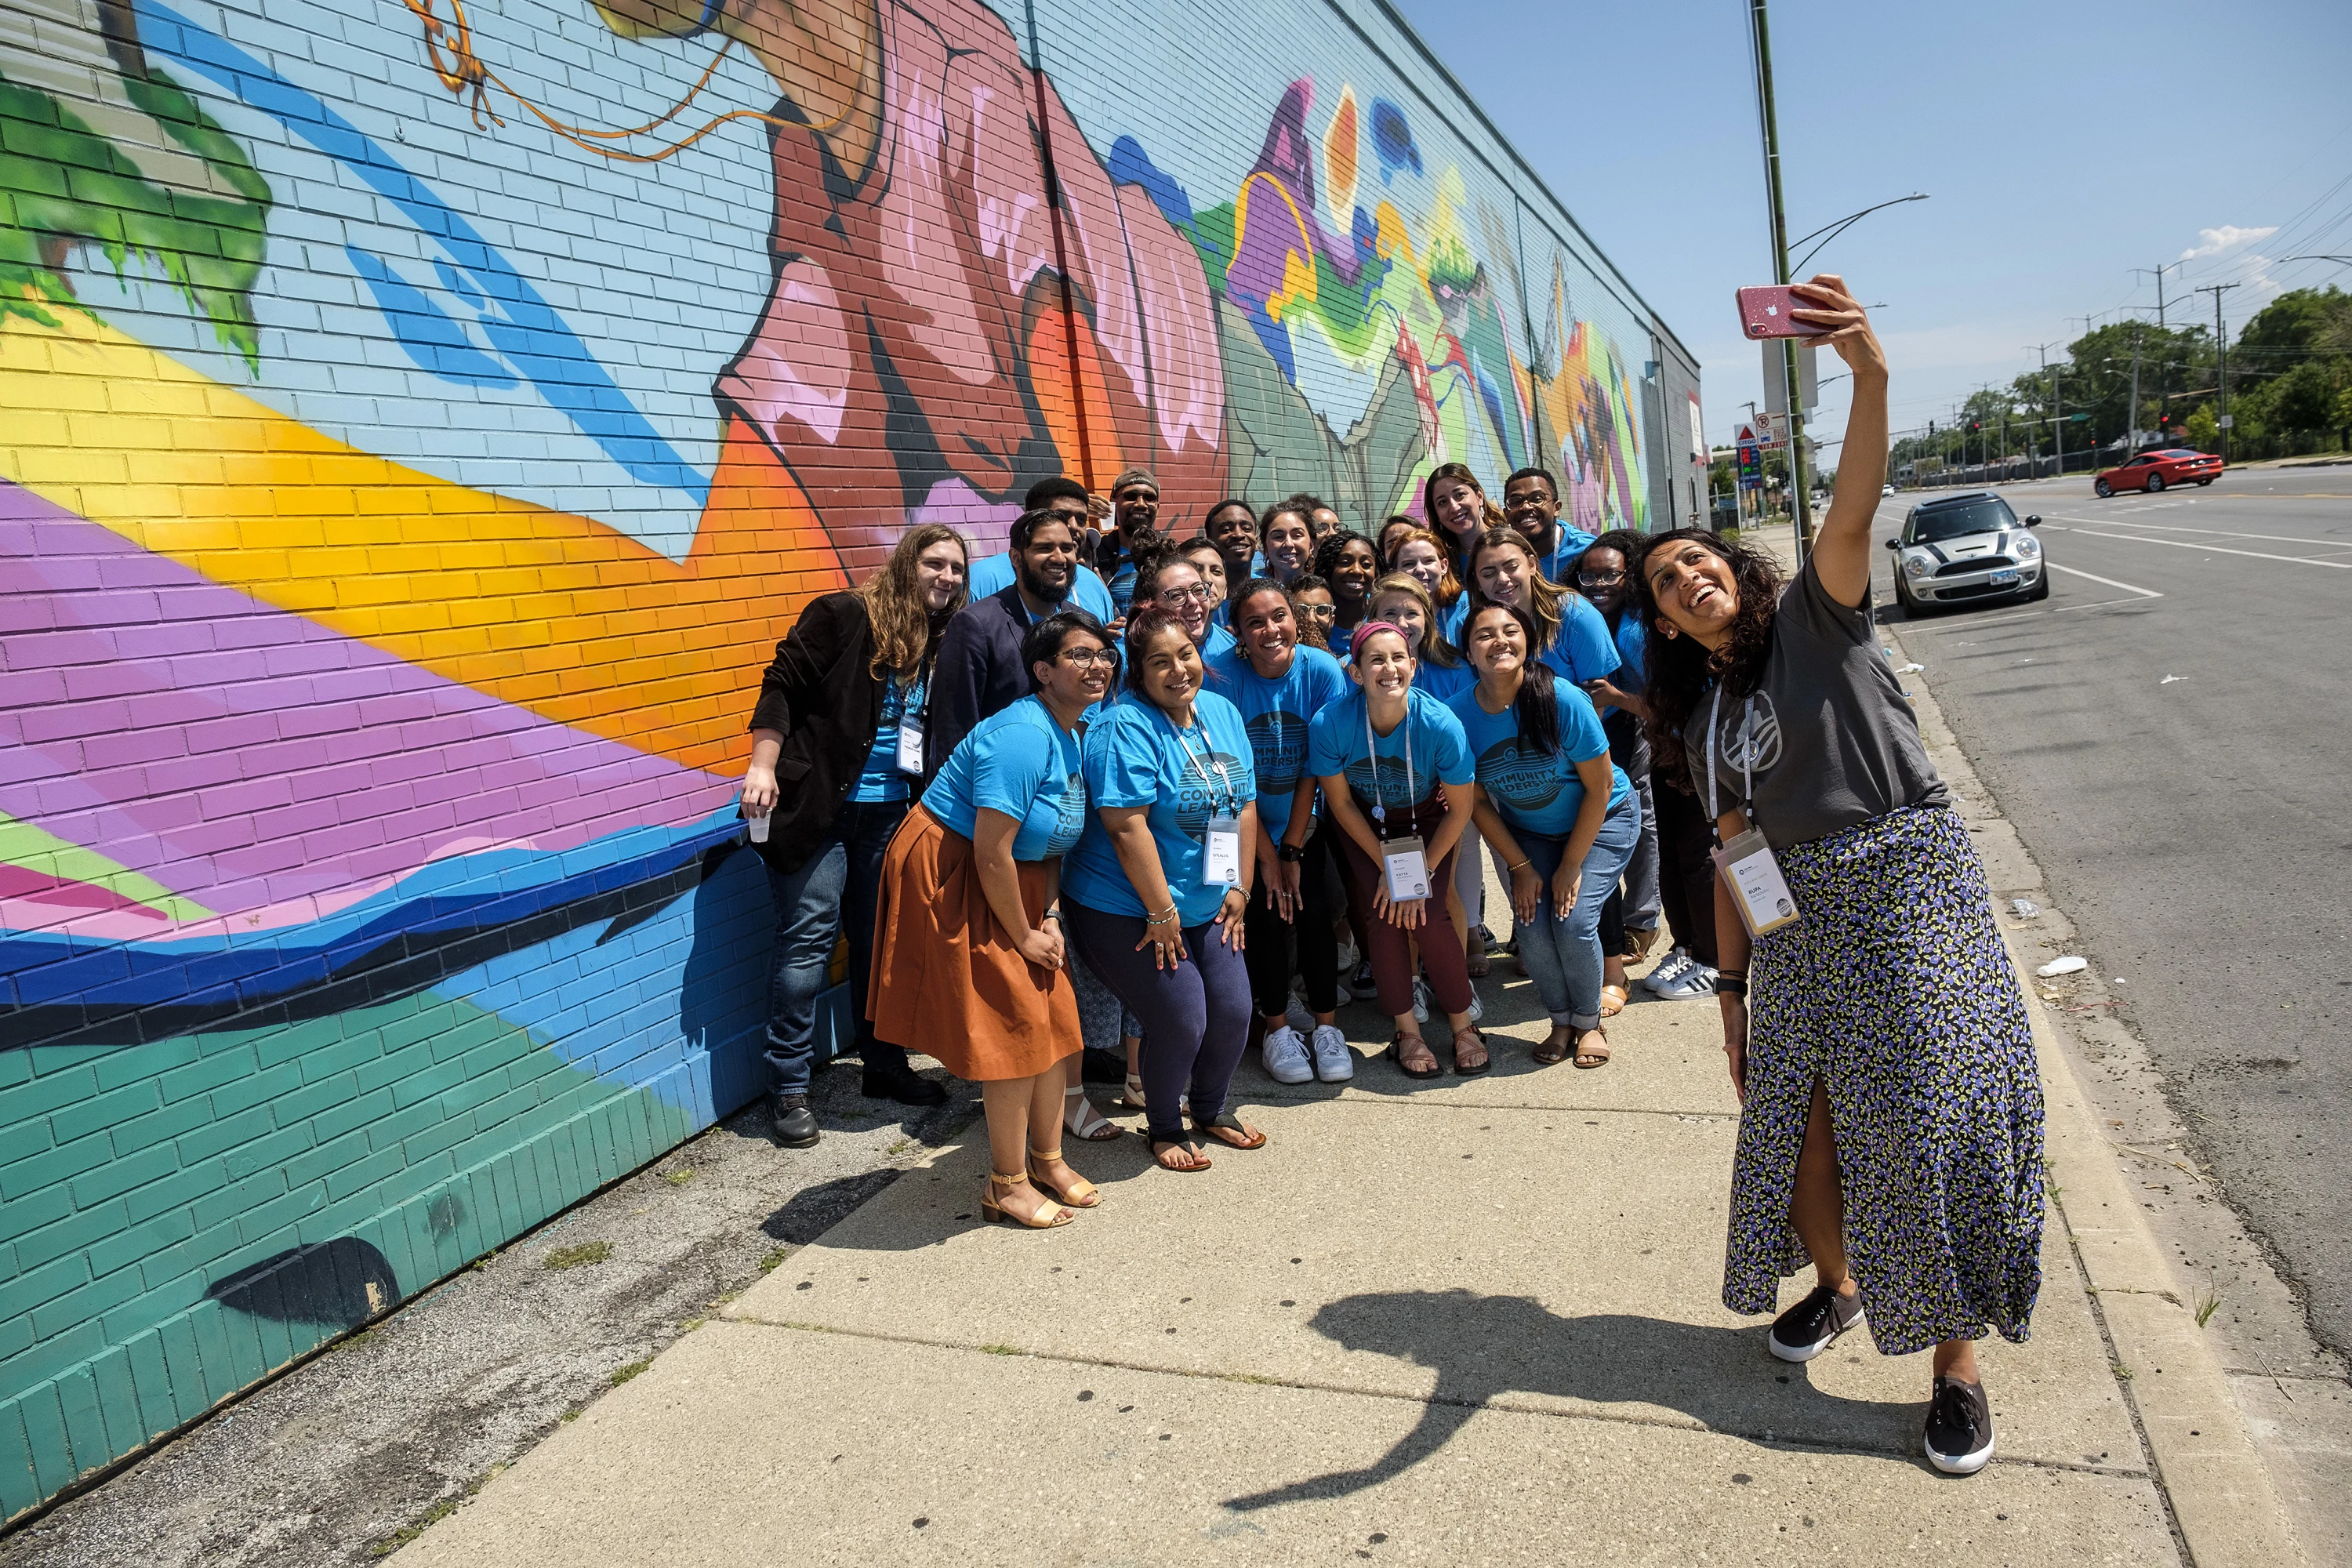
column 2227, row 420
column 1775, row 379
column 1772, row 431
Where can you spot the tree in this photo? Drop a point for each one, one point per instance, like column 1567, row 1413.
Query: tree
column 2302, row 399
column 2203, row 429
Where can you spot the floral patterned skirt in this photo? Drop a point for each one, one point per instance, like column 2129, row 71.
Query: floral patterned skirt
column 1895, row 992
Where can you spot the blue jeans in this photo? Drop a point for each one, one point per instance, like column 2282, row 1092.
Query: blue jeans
column 1563, row 957
column 834, row 891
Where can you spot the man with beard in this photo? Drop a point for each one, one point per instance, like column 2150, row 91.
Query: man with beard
column 1065, row 499
column 980, row 670
column 1135, row 502
column 1531, row 500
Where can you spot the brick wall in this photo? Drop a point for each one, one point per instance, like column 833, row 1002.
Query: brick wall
column 404, row 477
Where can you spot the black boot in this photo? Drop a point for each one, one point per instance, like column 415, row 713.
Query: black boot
column 903, row 1084
column 795, row 1123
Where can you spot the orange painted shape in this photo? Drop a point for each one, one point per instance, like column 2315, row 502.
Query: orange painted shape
column 1050, row 380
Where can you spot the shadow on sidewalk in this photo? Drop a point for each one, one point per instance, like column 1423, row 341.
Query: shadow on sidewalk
column 1483, row 1347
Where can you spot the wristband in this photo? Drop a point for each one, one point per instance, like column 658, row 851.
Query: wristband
column 1290, row 854
column 1522, row 865
column 1054, row 915
column 1731, row 985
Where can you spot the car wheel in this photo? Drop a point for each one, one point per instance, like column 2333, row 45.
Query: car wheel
column 2203, row 483
column 1911, row 606
column 2040, row 589
column 2102, row 489
column 2155, row 484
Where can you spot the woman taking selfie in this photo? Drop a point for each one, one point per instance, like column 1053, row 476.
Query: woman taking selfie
column 1161, row 882
column 1278, row 687
column 828, row 784
column 1395, row 775
column 1893, row 1120
column 1559, row 811
column 968, row 943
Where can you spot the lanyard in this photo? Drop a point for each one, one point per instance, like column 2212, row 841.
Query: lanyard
column 1233, row 803
column 1746, row 755
column 1372, row 756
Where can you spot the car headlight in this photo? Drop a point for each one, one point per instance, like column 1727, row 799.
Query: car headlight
column 2028, row 547
column 1915, row 565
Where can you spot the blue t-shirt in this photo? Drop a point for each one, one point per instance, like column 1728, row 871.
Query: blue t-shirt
column 1133, row 756
column 1218, row 643
column 1561, row 565
column 1276, row 713
column 1016, row 761
column 1453, row 618
column 1633, row 648
column 879, row 779
column 1584, row 650
column 1335, row 744
column 1443, row 681
column 995, row 574
column 1532, row 791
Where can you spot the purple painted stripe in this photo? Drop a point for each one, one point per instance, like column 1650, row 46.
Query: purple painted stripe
column 251, row 758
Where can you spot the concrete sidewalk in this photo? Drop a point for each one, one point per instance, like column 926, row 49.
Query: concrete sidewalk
column 1470, row 1318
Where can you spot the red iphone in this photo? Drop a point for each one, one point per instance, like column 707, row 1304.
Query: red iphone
column 1764, row 313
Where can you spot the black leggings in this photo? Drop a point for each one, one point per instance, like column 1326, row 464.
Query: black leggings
column 1685, row 873
column 1271, row 937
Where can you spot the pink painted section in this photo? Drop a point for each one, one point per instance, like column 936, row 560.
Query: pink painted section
column 257, row 762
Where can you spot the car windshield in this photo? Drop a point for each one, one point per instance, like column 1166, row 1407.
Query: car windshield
column 1990, row 515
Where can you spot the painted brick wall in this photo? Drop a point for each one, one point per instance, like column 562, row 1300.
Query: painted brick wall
column 417, row 428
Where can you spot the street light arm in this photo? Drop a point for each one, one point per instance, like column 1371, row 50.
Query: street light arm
column 1830, row 231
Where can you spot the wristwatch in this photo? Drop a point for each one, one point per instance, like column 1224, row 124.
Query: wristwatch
column 1290, row 854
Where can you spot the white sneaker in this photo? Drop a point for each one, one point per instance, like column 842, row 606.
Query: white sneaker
column 1420, row 1000
column 1286, row 1056
column 1334, row 1062
column 1669, row 968
column 1297, row 1016
column 1348, row 956
column 1696, row 980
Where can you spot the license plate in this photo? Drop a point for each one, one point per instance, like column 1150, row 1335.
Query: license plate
column 2002, row 579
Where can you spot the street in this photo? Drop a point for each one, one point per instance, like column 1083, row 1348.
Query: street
column 2168, row 730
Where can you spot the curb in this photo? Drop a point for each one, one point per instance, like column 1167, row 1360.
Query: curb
column 2200, row 1449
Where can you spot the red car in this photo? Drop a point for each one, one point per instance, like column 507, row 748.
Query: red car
column 2155, row 471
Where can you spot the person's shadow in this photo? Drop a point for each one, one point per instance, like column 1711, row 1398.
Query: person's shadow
column 1483, row 1347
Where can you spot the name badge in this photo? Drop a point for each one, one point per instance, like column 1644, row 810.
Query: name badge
column 1756, row 885
column 1408, row 870
column 1223, row 862
column 910, row 746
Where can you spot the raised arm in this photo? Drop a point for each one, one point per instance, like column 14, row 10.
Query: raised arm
column 1842, row 548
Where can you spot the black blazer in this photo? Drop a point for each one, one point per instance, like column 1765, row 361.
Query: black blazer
column 980, row 670
column 821, row 694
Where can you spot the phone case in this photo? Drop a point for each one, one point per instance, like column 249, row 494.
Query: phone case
column 1764, row 313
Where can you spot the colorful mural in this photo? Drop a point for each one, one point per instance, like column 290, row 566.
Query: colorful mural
column 415, row 429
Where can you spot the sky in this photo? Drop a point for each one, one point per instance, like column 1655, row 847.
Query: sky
column 2061, row 145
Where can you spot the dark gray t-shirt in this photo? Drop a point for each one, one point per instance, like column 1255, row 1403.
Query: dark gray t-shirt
column 1832, row 743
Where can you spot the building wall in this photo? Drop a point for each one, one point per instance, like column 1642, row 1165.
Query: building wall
column 415, row 431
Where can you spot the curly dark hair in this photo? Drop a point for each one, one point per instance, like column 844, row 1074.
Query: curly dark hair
column 1143, row 626
column 1334, row 545
column 1680, row 669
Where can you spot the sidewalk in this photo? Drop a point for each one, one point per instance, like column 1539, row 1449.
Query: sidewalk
column 1466, row 1320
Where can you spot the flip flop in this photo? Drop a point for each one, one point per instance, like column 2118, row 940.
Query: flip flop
column 1396, row 1055
column 1227, row 1122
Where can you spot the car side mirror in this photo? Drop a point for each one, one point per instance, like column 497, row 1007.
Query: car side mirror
column 1893, row 544
column 2033, row 522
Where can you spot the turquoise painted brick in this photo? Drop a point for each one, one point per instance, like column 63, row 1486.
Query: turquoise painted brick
column 385, row 1131
column 435, row 1137
column 45, row 1432
column 278, row 1047
column 347, row 1054
column 207, row 1073
column 352, row 1115
column 129, row 1064
column 161, row 1124
column 266, row 1085
column 187, row 1186
column 224, row 1203
column 183, row 1366
column 193, row 1255
column 313, row 1099
column 415, row 1018
column 52, row 1358
column 227, row 1132
column 130, row 1244
column 474, row 1088
column 25, row 1139
column 15, row 1068
column 79, row 1305
column 117, row 1402
column 363, row 1174
column 426, row 1084
column 101, row 1111
column 28, row 1291
column 393, row 1066
column 35, row 1097
column 52, row 1165
column 16, row 1336
column 150, row 1381
column 279, row 1214
column 322, row 1160
column 73, row 1232
column 94, row 1187
column 19, row 1486
column 34, row 1210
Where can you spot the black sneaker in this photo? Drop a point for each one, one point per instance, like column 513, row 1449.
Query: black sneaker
column 1813, row 1324
column 795, row 1123
column 1959, row 1428
column 906, row 1086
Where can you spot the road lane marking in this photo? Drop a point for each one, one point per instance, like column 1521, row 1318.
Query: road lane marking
column 2218, row 532
column 1973, row 622
column 2213, row 549
column 2108, row 582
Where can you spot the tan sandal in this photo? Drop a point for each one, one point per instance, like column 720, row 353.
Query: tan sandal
column 1612, row 1000
column 1079, row 1194
column 1589, row 1057
column 991, row 1211
column 1471, row 1039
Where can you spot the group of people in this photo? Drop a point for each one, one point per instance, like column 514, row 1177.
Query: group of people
column 1161, row 797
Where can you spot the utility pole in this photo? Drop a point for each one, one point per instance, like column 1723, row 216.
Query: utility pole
column 2057, row 429
column 1760, row 38
column 2163, row 370
column 2222, row 346
column 2131, row 421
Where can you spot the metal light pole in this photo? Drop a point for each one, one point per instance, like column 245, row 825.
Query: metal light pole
column 2222, row 346
column 2057, row 429
column 1760, row 40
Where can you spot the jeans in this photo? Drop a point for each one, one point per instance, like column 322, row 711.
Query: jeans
column 1200, row 1011
column 833, row 892
column 1629, row 750
column 1563, row 957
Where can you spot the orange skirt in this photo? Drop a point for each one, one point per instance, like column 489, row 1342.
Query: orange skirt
column 947, row 979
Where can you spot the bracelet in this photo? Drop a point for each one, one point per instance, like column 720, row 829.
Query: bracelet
column 1054, row 915
column 1729, row 985
column 1521, row 866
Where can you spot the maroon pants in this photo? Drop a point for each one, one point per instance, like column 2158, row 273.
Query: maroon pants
column 1391, row 950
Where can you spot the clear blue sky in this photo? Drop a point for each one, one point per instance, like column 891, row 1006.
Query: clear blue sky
column 2063, row 142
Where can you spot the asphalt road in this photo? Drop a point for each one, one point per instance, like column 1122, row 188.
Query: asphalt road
column 2171, row 732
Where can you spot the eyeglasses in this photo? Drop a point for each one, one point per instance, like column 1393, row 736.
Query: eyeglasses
column 1087, row 658
column 1599, row 579
column 1198, row 592
column 1320, row 612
